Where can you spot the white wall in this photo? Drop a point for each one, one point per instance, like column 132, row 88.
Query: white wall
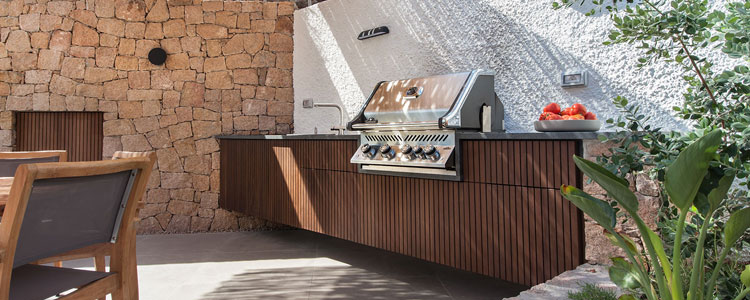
column 526, row 42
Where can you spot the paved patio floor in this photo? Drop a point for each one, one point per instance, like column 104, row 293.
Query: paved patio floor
column 294, row 264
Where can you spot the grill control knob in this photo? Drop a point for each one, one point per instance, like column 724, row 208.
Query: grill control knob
column 408, row 152
column 431, row 152
column 418, row 151
column 367, row 150
column 386, row 151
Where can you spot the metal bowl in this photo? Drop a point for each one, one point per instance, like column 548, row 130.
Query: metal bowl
column 568, row 125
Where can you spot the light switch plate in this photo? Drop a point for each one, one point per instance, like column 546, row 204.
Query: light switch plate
column 574, row 78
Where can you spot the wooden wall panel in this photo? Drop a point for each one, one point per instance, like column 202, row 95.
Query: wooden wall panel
column 506, row 219
column 79, row 133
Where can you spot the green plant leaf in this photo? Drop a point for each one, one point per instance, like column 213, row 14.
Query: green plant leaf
column 745, row 276
column 623, row 273
column 701, row 203
column 626, row 297
column 735, row 227
column 597, row 209
column 720, row 192
column 685, row 174
column 630, row 243
column 616, row 187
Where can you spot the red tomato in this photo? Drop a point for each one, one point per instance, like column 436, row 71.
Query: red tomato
column 573, row 117
column 568, row 112
column 552, row 108
column 554, row 117
column 544, row 116
column 579, row 109
column 590, row 116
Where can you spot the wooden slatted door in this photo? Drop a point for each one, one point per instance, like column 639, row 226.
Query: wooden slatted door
column 79, row 133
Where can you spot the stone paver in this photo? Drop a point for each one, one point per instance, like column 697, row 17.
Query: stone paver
column 558, row 288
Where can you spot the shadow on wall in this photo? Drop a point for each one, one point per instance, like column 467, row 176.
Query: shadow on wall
column 430, row 38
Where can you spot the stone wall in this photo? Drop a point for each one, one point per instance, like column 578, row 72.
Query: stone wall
column 228, row 71
column 598, row 248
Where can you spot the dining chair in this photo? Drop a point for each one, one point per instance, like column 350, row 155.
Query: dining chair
column 56, row 208
column 9, row 161
column 101, row 251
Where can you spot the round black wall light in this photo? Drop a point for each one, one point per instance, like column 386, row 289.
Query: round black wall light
column 157, row 56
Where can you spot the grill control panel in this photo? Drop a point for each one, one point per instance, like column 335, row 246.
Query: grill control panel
column 423, row 152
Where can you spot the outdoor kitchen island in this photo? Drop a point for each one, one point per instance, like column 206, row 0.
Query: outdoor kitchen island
column 504, row 218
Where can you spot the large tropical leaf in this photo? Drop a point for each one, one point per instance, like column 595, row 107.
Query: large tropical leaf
column 623, row 274
column 616, row 187
column 720, row 192
column 597, row 209
column 684, row 176
column 628, row 241
column 738, row 222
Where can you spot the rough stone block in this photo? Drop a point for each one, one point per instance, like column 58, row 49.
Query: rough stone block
column 84, row 36
column 86, row 17
column 116, row 90
column 212, row 64
column 60, row 41
column 40, row 40
column 211, row 31
column 29, row 22
column 23, row 61
column 130, row 10
column 105, row 57
column 281, row 42
column 18, row 41
column 62, row 85
column 140, row 95
column 94, row 75
column 135, row 30
column 219, row 80
column 238, row 61
column 111, row 26
column 176, row 180
column 159, row 12
column 193, row 15
column 174, row 28
column 205, row 129
column 38, row 76
column 179, row 61
column 136, row 142
column 262, row 26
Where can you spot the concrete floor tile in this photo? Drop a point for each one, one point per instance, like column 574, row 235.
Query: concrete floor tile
column 293, row 264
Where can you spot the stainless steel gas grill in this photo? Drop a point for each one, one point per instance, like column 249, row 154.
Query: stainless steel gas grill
column 408, row 127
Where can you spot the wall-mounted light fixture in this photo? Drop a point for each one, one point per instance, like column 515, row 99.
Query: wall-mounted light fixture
column 371, row 33
column 157, row 56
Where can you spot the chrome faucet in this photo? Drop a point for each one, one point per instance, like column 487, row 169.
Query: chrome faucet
column 309, row 103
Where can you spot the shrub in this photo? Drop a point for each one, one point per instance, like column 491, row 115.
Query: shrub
column 592, row 292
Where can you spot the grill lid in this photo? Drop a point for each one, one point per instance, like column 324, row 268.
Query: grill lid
column 423, row 99
column 433, row 102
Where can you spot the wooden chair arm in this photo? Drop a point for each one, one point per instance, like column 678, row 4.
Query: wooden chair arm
column 104, row 249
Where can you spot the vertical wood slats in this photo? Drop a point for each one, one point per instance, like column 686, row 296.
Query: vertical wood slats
column 81, row 134
column 505, row 220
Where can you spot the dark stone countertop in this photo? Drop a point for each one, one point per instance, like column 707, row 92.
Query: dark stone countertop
column 461, row 135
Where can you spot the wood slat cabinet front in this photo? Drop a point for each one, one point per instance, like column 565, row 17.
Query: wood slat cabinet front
column 506, row 219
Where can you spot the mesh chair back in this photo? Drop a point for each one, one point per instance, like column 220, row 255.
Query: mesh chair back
column 65, row 214
column 8, row 166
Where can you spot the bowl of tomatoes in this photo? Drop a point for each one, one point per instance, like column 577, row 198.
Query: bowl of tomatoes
column 574, row 118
